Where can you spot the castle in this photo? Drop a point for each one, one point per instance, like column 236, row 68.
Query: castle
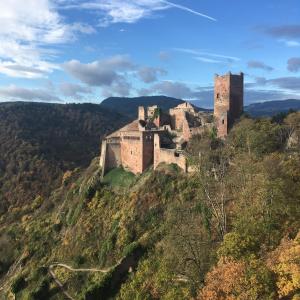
column 161, row 137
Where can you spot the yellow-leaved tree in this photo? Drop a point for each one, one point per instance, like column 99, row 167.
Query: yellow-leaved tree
column 285, row 263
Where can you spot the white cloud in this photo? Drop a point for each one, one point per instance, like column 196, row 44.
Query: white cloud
column 148, row 74
column 13, row 93
column 208, row 60
column 189, row 10
column 74, row 90
column 27, row 30
column 130, row 11
column 208, row 57
column 111, row 74
column 290, row 43
column 99, row 73
column 256, row 64
column 172, row 89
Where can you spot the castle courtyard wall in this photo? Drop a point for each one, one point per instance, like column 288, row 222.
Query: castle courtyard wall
column 168, row 156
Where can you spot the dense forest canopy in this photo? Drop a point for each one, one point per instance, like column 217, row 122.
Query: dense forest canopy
column 40, row 141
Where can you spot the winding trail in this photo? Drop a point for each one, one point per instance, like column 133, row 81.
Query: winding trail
column 61, row 285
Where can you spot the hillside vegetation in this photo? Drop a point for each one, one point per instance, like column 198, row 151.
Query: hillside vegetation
column 39, row 142
column 230, row 230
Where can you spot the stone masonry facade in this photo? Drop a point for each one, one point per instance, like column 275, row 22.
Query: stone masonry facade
column 228, row 101
column 161, row 137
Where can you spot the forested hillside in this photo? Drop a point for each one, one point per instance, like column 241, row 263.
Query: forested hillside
column 39, row 141
column 230, row 230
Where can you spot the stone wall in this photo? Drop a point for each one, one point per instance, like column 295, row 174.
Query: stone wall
column 132, row 151
column 222, row 124
column 186, row 131
column 110, row 154
column 221, row 95
column 103, row 158
column 113, row 156
column 168, row 156
column 141, row 113
column 236, row 97
column 177, row 118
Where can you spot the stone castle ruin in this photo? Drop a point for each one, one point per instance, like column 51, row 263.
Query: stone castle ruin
column 161, row 137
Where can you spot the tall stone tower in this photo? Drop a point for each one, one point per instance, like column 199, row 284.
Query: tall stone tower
column 228, row 101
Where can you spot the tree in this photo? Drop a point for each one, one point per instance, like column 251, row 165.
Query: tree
column 292, row 122
column 285, row 262
column 238, row 280
column 212, row 179
column 188, row 248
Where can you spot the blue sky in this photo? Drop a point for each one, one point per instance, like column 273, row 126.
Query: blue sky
column 85, row 51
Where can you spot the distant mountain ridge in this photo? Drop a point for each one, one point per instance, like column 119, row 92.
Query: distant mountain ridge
column 129, row 106
column 271, row 108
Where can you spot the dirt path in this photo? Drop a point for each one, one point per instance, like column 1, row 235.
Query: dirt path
column 61, row 285
column 80, row 270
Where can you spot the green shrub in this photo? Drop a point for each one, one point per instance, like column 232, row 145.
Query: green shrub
column 236, row 246
column 129, row 249
column 37, row 202
column 98, row 290
column 79, row 260
column 18, row 284
column 42, row 290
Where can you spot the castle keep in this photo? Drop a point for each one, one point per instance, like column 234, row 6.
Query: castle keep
column 161, row 137
column 228, row 101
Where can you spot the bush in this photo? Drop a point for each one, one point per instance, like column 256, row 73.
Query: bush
column 79, row 260
column 258, row 137
column 98, row 290
column 37, row 202
column 42, row 291
column 18, row 284
column 129, row 249
column 236, row 246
